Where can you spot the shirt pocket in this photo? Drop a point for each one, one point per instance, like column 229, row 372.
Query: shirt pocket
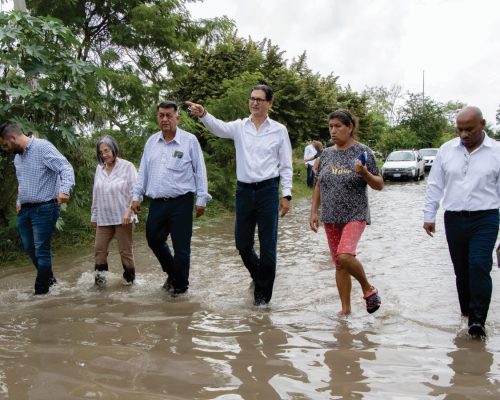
column 179, row 164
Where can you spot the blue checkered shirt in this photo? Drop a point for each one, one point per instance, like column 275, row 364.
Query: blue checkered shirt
column 42, row 172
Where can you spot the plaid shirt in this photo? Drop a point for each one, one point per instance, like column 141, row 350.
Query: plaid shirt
column 42, row 172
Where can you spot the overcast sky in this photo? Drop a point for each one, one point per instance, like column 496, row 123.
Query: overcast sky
column 384, row 42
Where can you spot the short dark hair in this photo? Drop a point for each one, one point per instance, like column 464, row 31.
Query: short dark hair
column 344, row 116
column 265, row 88
column 8, row 128
column 167, row 104
column 111, row 143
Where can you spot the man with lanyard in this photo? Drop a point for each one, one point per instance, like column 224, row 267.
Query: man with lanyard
column 45, row 179
column 466, row 176
column 263, row 159
column 172, row 170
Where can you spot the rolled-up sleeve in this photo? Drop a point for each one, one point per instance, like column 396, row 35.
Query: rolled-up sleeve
column 55, row 161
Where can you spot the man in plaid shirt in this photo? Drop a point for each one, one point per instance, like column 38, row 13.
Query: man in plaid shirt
column 45, row 179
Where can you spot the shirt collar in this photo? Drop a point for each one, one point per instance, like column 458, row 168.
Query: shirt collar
column 177, row 138
column 103, row 166
column 487, row 141
column 29, row 143
column 266, row 121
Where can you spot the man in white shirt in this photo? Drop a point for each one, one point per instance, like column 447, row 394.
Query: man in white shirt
column 263, row 159
column 465, row 176
column 309, row 153
column 172, row 171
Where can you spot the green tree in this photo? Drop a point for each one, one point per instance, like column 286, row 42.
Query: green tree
column 140, row 47
column 383, row 101
column 397, row 138
column 426, row 118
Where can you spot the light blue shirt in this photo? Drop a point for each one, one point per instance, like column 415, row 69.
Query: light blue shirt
column 172, row 169
column 464, row 181
column 42, row 172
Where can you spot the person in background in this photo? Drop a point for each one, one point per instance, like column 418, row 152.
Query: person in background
column 172, row 170
column 45, row 179
column 263, row 159
column 318, row 146
column 112, row 215
column 309, row 156
column 344, row 172
column 465, row 178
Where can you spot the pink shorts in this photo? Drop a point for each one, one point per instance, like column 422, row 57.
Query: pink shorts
column 344, row 238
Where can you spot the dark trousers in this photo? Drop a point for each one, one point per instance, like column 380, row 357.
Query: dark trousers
column 310, row 175
column 471, row 240
column 172, row 217
column 258, row 205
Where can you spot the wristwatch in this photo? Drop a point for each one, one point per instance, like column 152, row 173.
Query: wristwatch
column 289, row 198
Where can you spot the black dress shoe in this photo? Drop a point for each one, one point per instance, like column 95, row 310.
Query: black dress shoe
column 168, row 285
column 477, row 330
column 260, row 300
column 178, row 292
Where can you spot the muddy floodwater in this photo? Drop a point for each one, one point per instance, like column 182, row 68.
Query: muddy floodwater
column 79, row 342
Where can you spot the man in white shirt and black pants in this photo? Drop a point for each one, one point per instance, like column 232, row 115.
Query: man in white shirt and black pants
column 309, row 153
column 263, row 160
column 466, row 177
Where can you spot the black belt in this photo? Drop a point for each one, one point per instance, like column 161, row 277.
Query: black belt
column 31, row 205
column 173, row 198
column 258, row 185
column 465, row 213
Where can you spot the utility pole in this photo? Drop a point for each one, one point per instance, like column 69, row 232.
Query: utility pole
column 423, row 87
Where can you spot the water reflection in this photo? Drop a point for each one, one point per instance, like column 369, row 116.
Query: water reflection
column 471, row 364
column 345, row 362
column 138, row 343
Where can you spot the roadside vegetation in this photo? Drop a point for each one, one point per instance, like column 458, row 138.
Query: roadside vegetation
column 73, row 70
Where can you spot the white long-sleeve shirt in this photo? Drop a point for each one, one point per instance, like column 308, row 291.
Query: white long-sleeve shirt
column 260, row 154
column 309, row 151
column 112, row 194
column 463, row 181
column 172, row 169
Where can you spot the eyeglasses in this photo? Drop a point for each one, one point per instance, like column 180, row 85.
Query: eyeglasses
column 257, row 100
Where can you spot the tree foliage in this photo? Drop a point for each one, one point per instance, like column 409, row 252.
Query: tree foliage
column 75, row 70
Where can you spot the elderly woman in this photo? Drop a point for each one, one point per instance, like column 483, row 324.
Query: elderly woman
column 344, row 172
column 111, row 212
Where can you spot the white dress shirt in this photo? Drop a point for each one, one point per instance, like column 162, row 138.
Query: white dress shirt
column 112, row 193
column 260, row 154
column 309, row 151
column 464, row 181
column 172, row 169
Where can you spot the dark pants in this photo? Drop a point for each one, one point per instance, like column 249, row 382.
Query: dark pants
column 172, row 217
column 310, row 175
column 258, row 205
column 36, row 225
column 471, row 240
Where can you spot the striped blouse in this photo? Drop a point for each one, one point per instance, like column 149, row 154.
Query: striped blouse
column 112, row 194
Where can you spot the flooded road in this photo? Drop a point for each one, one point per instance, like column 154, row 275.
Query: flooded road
column 137, row 342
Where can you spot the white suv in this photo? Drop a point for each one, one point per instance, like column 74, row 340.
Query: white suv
column 404, row 164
